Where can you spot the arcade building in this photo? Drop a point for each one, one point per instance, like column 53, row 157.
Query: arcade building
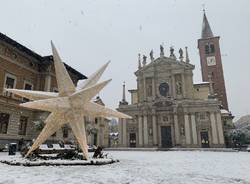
column 22, row 68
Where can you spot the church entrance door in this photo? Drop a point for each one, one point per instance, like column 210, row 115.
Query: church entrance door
column 95, row 139
column 166, row 138
column 204, row 140
column 132, row 140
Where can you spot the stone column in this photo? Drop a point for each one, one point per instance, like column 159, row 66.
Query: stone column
column 214, row 129
column 124, row 132
column 194, row 131
column 220, row 129
column 173, row 86
column 155, row 142
column 183, row 85
column 176, row 129
column 47, row 82
column 120, row 131
column 145, row 128
column 187, row 129
column 140, row 129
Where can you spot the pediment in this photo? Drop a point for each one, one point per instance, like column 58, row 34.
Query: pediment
column 165, row 63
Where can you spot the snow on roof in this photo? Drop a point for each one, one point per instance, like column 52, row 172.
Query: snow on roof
column 114, row 134
column 224, row 111
column 200, row 83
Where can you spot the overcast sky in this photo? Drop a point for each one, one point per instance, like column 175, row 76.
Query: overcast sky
column 88, row 33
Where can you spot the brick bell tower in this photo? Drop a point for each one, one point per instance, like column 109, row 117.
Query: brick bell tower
column 211, row 63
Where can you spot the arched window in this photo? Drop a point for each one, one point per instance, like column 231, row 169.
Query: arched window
column 212, row 50
column 209, row 48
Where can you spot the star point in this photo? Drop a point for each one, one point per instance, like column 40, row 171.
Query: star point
column 69, row 105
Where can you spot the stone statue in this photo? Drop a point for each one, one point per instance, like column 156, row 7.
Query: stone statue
column 161, row 50
column 182, row 131
column 171, row 51
column 151, row 55
column 181, row 54
column 187, row 57
column 178, row 87
column 144, row 60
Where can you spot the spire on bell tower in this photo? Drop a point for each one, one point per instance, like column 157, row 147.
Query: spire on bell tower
column 211, row 62
column 206, row 29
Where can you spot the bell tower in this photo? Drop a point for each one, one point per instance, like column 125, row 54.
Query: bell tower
column 210, row 60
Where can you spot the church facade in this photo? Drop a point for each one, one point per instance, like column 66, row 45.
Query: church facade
column 168, row 109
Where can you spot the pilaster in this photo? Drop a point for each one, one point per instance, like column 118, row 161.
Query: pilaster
column 140, row 131
column 173, row 86
column 183, row 85
column 220, row 128
column 124, row 130
column 155, row 142
column 145, row 128
column 214, row 129
column 194, row 131
column 144, row 89
column 187, row 129
column 176, row 129
column 120, row 132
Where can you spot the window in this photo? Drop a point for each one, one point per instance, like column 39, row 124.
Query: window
column 23, row 125
column 96, row 120
column 212, row 49
column 209, row 48
column 27, row 86
column 65, row 131
column 10, row 82
column 4, row 121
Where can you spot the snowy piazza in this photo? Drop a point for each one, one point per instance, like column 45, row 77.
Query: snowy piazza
column 142, row 167
column 124, row 92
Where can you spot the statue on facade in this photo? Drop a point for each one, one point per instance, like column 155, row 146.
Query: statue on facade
column 187, row 57
column 144, row 60
column 172, row 52
column 182, row 131
column 181, row 54
column 151, row 55
column 178, row 87
column 161, row 50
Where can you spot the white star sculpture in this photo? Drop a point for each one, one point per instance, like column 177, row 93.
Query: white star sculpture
column 70, row 105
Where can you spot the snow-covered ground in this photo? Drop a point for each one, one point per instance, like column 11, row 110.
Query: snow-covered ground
column 141, row 168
